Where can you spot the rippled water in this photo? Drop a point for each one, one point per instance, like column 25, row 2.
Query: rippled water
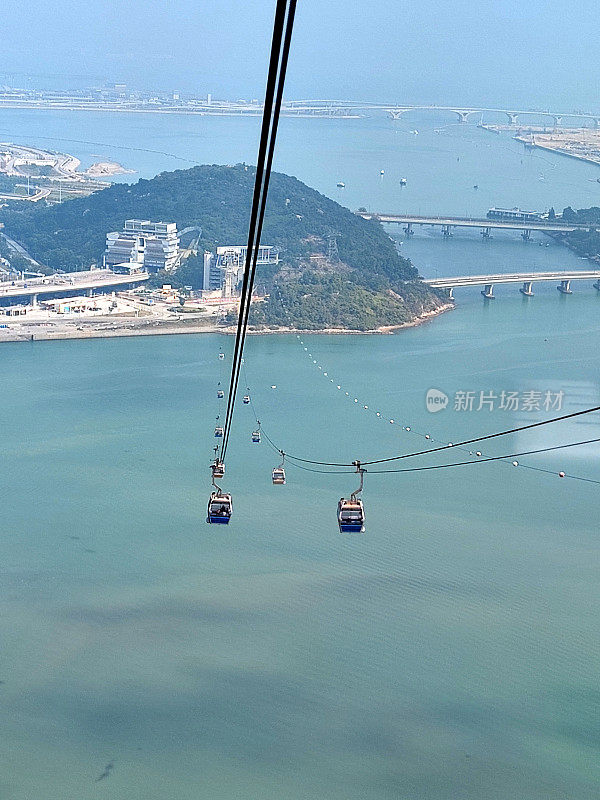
column 450, row 652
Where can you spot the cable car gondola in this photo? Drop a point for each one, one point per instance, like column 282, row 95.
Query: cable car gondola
column 220, row 508
column 219, row 432
column 279, row 473
column 218, row 468
column 221, row 356
column 351, row 512
column 256, row 436
column 246, row 399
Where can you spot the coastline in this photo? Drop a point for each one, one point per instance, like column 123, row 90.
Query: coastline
column 558, row 150
column 108, row 328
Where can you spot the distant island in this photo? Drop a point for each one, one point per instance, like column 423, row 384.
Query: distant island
column 337, row 271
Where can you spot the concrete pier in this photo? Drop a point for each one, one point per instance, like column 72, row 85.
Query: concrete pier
column 565, row 287
column 526, row 289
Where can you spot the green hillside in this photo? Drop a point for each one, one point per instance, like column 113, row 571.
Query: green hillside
column 371, row 284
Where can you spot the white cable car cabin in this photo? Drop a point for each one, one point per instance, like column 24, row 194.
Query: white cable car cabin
column 218, row 469
column 246, row 399
column 220, row 394
column 220, row 508
column 351, row 516
column 279, row 476
column 256, row 436
column 351, row 511
column 218, row 432
column 221, row 356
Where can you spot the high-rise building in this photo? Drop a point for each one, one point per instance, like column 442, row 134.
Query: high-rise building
column 153, row 245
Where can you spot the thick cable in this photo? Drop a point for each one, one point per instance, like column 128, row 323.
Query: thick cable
column 262, row 151
column 449, row 446
column 484, row 460
column 284, row 19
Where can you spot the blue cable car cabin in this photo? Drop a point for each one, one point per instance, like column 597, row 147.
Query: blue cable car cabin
column 246, row 399
column 220, row 508
column 220, row 393
column 256, row 436
column 351, row 516
column 218, row 432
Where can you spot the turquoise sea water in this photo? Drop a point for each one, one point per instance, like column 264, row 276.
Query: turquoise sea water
column 450, row 652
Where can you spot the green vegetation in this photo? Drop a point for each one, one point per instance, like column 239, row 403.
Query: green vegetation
column 316, row 301
column 370, row 285
column 584, row 242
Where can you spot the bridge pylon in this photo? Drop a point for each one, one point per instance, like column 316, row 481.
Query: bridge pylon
column 565, row 287
column 526, row 289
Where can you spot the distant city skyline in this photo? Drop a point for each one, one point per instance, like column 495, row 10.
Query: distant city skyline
column 531, row 55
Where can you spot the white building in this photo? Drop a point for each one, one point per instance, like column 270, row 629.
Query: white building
column 225, row 268
column 152, row 245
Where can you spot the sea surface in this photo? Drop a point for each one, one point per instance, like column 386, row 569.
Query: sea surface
column 450, row 652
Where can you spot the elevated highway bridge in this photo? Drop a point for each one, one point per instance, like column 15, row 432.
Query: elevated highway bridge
column 67, row 284
column 446, row 223
column 527, row 279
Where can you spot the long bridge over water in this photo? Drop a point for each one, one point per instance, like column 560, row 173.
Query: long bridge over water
column 446, row 223
column 527, row 279
column 311, row 108
column 463, row 112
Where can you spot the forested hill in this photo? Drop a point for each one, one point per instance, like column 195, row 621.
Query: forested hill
column 218, row 198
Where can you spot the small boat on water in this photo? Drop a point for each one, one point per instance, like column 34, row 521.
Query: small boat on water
column 402, row 181
column 382, row 172
column 341, row 185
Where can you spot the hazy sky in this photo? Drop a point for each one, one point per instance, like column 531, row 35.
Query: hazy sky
column 531, row 53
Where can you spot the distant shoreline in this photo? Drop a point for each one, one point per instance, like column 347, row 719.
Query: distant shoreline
column 60, row 330
column 558, row 150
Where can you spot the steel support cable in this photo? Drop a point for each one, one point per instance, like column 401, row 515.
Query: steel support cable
column 505, row 458
column 443, row 447
column 449, row 446
column 265, row 184
column 284, row 21
column 491, row 458
column 258, row 183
